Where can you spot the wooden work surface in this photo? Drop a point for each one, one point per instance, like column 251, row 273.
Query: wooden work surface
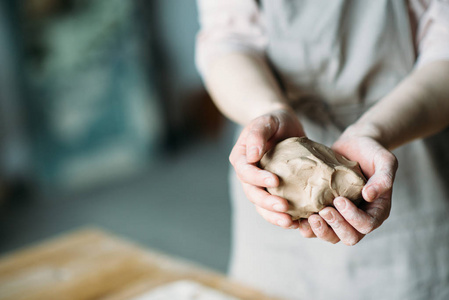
column 91, row 264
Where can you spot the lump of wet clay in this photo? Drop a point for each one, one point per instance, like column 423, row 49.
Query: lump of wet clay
column 312, row 175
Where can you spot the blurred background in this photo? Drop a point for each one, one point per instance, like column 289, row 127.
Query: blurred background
column 104, row 122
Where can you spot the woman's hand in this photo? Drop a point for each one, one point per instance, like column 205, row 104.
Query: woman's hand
column 346, row 222
column 255, row 140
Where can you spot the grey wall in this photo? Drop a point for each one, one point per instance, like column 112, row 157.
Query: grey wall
column 176, row 26
column 179, row 25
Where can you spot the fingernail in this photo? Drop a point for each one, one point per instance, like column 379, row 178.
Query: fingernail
column 304, row 225
column 283, row 223
column 269, row 181
column 327, row 215
column 316, row 224
column 295, row 226
column 340, row 203
column 254, row 152
column 279, row 207
column 370, row 193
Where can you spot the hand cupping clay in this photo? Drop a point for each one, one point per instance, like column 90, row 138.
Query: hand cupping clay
column 312, row 175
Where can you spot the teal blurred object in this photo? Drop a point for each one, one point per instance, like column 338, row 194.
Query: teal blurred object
column 94, row 114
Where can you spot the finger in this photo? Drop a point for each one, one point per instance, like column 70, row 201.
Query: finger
column 249, row 173
column 322, row 230
column 345, row 232
column 364, row 221
column 239, row 149
column 305, row 229
column 385, row 164
column 279, row 219
column 237, row 152
column 262, row 198
column 260, row 132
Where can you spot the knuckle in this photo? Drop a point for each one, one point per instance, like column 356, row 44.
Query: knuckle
column 245, row 169
column 254, row 134
column 267, row 119
column 388, row 180
column 264, row 201
column 326, row 234
column 267, row 122
column 394, row 161
column 387, row 156
column 239, row 165
column 389, row 166
column 390, row 159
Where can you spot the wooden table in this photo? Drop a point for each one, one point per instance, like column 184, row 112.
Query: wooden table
column 92, row 264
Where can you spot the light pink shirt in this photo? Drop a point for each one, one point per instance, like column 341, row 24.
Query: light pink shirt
column 237, row 26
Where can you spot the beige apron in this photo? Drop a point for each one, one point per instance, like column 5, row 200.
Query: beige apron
column 335, row 59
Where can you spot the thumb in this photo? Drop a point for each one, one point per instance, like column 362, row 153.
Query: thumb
column 260, row 132
column 385, row 165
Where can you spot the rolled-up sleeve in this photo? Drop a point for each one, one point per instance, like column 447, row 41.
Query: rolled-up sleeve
column 228, row 26
column 433, row 33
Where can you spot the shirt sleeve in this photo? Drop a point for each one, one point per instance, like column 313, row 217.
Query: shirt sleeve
column 433, row 33
column 228, row 26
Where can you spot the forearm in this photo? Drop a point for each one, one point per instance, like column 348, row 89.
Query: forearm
column 243, row 87
column 416, row 108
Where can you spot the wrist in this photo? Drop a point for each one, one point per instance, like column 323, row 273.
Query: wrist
column 367, row 130
column 271, row 108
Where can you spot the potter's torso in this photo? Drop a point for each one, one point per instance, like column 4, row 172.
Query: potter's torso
column 347, row 55
column 342, row 52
